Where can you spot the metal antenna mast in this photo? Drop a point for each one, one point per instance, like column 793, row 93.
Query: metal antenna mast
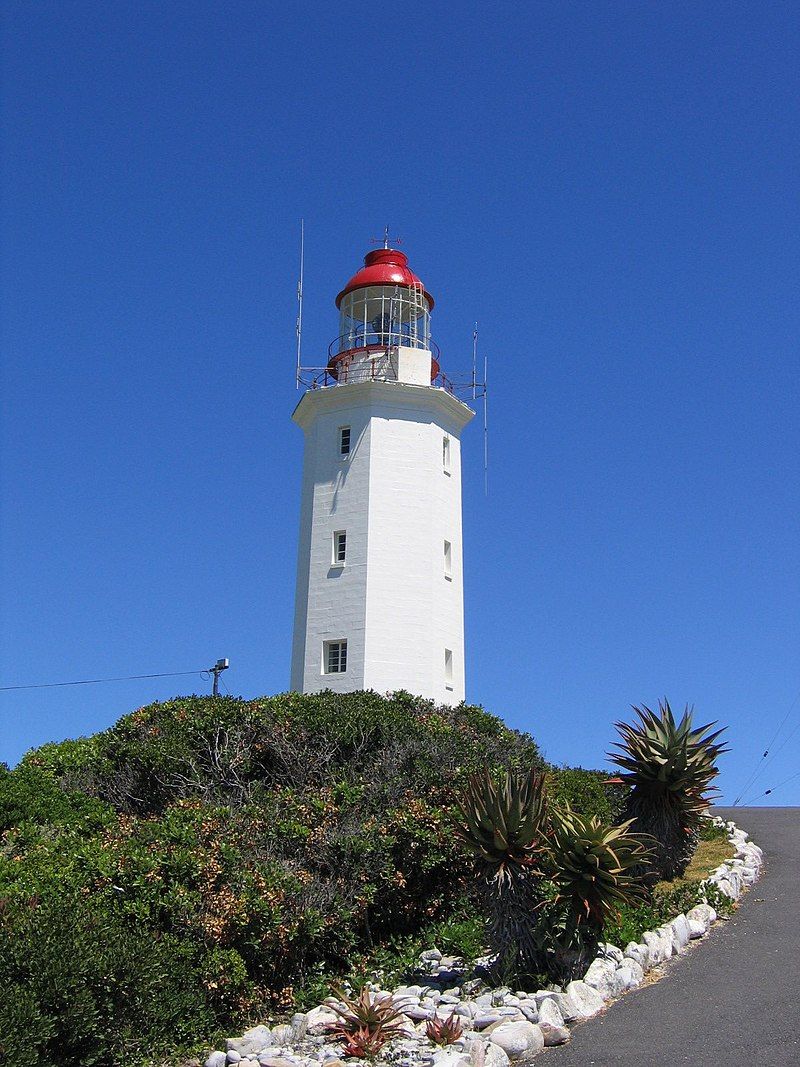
column 299, row 323
column 474, row 359
column 485, row 426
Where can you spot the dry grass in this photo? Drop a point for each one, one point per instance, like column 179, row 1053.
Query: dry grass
column 709, row 855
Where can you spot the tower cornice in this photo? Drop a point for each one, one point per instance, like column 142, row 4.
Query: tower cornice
column 400, row 393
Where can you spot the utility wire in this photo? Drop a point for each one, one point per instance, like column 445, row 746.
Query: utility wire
column 95, row 681
column 780, row 785
column 780, row 747
column 760, row 766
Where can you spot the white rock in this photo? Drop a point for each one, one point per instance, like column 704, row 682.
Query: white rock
column 242, row 1046
column 550, row 1013
column 494, row 1056
column 530, row 1012
column 660, row 943
column 216, row 1059
column 432, row 954
column 680, row 933
column 486, row 1018
column 602, row 976
column 232, row 1056
column 281, row 1035
column 411, row 991
column 729, row 887
column 587, row 1001
column 563, row 1001
column 450, row 1057
column 319, row 1019
column 260, row 1035
column 696, row 928
column 509, row 1012
column 609, row 951
column 518, row 1038
column 629, row 975
column 554, row 1035
column 639, row 953
column 418, row 1013
column 702, row 913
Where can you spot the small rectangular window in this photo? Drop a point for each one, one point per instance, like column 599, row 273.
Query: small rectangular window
column 339, row 548
column 335, row 655
column 344, row 440
column 446, row 454
column 448, row 668
column 448, row 561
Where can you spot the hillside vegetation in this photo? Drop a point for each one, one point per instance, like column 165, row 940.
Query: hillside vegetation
column 207, row 861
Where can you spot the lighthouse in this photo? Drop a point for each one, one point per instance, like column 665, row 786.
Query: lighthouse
column 380, row 599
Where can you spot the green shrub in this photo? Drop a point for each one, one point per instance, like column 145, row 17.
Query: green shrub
column 586, row 792
column 664, row 904
column 207, row 862
column 191, row 866
column 709, row 831
column 78, row 985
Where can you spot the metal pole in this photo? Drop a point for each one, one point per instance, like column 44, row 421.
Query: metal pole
column 299, row 323
column 220, row 666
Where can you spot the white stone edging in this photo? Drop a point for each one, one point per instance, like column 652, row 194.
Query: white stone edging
column 500, row 1027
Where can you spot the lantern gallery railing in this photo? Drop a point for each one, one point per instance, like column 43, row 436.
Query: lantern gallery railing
column 371, row 363
column 369, row 338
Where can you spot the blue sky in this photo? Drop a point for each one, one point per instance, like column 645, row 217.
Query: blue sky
column 610, row 190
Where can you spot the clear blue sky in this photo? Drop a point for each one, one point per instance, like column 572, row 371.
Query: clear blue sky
column 610, row 189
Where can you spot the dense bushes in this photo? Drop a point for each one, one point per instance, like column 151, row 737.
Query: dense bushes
column 205, row 860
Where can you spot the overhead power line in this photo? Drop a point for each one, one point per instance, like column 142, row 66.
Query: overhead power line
column 96, row 681
column 780, row 785
column 761, row 765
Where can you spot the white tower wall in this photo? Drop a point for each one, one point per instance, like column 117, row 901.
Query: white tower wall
column 398, row 503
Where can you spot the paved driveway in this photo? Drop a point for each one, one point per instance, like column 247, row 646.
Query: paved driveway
column 731, row 1001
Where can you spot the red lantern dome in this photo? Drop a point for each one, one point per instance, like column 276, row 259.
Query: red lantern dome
column 385, row 266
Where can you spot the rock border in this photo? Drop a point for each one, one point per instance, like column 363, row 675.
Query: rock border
column 500, row 1026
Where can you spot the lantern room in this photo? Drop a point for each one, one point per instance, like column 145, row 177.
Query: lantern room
column 384, row 306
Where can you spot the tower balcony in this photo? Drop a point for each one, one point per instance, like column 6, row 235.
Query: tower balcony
column 390, row 356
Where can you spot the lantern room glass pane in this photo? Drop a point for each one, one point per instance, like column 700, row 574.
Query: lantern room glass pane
column 383, row 315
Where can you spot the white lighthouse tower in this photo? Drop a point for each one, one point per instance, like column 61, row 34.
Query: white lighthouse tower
column 380, row 601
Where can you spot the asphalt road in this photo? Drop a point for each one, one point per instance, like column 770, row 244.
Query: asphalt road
column 734, row 998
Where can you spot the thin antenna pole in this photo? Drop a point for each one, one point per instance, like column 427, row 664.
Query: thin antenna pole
column 474, row 358
column 299, row 324
column 485, row 426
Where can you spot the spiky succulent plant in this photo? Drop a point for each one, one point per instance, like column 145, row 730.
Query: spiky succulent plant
column 444, row 1031
column 365, row 1022
column 503, row 824
column 595, row 866
column 669, row 767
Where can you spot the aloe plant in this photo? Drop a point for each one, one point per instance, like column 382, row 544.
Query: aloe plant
column 444, row 1031
column 669, row 767
column 593, row 869
column 504, row 825
column 365, row 1022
